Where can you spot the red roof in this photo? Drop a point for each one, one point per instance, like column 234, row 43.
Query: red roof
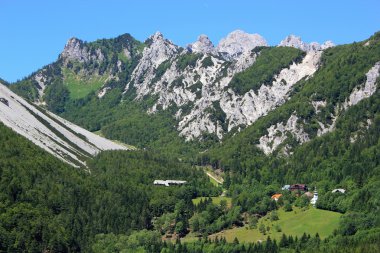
column 276, row 196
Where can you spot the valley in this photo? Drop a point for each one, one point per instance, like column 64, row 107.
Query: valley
column 84, row 139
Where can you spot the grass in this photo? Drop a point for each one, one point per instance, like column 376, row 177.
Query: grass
column 79, row 86
column 295, row 223
column 215, row 200
column 213, row 181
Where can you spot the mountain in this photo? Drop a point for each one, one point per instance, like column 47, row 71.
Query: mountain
column 206, row 88
column 57, row 136
column 346, row 75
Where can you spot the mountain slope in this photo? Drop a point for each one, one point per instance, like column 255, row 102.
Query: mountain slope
column 59, row 137
column 348, row 74
column 204, row 87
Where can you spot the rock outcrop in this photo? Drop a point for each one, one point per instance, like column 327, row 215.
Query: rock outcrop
column 296, row 42
column 238, row 42
column 202, row 45
column 277, row 134
column 158, row 51
column 76, row 50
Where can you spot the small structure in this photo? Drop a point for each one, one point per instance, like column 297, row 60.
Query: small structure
column 286, row 187
column 339, row 190
column 299, row 187
column 276, row 196
column 4, row 101
column 169, row 182
column 313, row 201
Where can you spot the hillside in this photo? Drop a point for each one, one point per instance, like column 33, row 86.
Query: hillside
column 59, row 137
column 47, row 205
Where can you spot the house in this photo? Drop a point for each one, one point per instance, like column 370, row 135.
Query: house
column 339, row 190
column 285, row 187
column 313, row 201
column 298, row 187
column 169, row 182
column 4, row 101
column 276, row 196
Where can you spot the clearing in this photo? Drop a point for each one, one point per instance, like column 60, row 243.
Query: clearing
column 295, row 223
column 80, row 86
column 215, row 200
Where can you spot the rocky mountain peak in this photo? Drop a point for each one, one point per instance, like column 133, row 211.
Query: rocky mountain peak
column 296, row 42
column 73, row 41
column 159, row 49
column 76, row 50
column 73, row 49
column 157, row 36
column 202, row 45
column 238, row 42
column 327, row 44
column 157, row 41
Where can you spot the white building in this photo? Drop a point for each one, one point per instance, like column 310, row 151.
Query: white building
column 313, row 201
column 338, row 190
column 168, row 182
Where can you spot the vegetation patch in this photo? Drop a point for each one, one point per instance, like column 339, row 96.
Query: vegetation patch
column 215, row 200
column 268, row 64
column 79, row 86
column 187, row 59
column 295, row 223
column 207, row 62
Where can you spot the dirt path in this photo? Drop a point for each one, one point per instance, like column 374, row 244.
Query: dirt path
column 217, row 180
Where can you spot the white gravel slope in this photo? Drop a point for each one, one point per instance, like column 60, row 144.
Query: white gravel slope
column 57, row 137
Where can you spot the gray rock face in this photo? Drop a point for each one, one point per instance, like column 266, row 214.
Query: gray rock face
column 366, row 90
column 202, row 89
column 296, row 42
column 277, row 134
column 76, row 50
column 202, row 45
column 246, row 109
column 327, row 44
column 157, row 52
column 238, row 42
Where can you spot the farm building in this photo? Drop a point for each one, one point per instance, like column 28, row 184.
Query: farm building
column 276, row 196
column 286, row 187
column 298, row 187
column 169, row 182
column 339, row 190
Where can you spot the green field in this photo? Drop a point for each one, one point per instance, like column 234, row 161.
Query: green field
column 80, row 87
column 295, row 223
column 215, row 200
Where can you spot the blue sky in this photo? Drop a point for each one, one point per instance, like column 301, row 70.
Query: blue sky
column 34, row 32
